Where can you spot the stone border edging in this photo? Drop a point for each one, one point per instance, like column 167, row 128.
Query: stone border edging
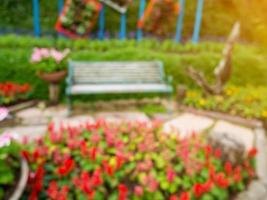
column 252, row 123
column 22, row 181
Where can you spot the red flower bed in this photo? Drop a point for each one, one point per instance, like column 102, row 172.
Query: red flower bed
column 11, row 92
column 131, row 161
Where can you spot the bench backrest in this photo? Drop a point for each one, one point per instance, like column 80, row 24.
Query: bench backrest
column 116, row 72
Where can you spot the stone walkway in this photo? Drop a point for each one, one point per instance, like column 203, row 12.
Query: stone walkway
column 231, row 136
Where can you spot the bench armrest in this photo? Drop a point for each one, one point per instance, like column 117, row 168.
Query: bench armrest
column 69, row 80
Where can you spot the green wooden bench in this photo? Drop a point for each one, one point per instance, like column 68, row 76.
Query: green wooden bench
column 116, row 77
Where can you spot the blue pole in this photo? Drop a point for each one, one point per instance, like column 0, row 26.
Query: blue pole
column 36, row 19
column 195, row 38
column 60, row 6
column 101, row 23
column 141, row 12
column 123, row 27
column 180, row 20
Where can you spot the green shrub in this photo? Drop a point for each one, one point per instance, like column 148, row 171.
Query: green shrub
column 249, row 63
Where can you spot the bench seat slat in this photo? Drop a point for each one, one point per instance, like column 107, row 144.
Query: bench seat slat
column 119, row 88
column 116, row 72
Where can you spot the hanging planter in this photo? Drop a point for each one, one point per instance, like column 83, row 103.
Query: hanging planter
column 160, row 17
column 119, row 5
column 78, row 18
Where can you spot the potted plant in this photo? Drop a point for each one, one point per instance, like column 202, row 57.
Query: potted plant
column 78, row 18
column 160, row 17
column 13, row 168
column 51, row 67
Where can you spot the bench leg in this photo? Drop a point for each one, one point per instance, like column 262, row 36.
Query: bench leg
column 69, row 105
column 170, row 106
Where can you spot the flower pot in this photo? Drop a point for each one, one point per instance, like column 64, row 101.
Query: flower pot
column 53, row 77
column 22, row 182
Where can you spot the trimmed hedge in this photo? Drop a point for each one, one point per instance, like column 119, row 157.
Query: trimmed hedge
column 249, row 62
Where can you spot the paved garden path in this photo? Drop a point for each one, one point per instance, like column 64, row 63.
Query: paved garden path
column 233, row 137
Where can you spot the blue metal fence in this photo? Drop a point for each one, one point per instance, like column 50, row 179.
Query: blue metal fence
column 123, row 20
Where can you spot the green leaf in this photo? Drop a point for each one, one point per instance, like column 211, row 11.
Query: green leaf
column 7, row 177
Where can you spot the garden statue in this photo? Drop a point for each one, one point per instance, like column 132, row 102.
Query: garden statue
column 223, row 71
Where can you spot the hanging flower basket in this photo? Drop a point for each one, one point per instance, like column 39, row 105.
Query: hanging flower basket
column 160, row 17
column 119, row 5
column 78, row 18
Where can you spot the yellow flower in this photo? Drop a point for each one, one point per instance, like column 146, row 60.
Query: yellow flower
column 264, row 114
column 202, row 102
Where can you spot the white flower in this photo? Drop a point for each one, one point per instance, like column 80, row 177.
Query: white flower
column 6, row 138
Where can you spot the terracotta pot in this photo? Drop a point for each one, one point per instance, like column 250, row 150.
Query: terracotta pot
column 53, row 77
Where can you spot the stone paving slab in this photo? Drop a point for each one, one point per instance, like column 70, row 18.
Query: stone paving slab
column 188, row 123
column 36, row 116
column 242, row 135
column 116, row 117
column 255, row 191
column 29, row 132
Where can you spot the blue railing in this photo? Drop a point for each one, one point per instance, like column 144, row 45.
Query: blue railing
column 123, row 21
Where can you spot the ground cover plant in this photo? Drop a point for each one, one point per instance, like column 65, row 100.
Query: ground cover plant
column 11, row 92
column 9, row 164
column 246, row 101
column 131, row 161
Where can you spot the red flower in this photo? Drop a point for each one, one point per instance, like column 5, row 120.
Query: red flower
column 221, row 180
column 208, row 150
column 211, row 172
column 120, row 161
column 252, row 152
column 52, row 190
column 237, row 174
column 218, row 153
column 173, row 197
column 26, row 155
column 123, row 190
column 66, row 168
column 93, row 153
column 55, row 194
column 198, row 190
column 228, row 167
column 96, row 178
column 185, row 196
column 37, row 182
column 108, row 169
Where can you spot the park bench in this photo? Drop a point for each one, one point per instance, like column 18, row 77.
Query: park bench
column 116, row 77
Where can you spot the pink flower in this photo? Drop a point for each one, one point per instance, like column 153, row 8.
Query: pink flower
column 3, row 113
column 170, row 174
column 6, row 138
column 138, row 191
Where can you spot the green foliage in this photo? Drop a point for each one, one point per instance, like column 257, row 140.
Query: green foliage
column 9, row 166
column 248, row 101
column 218, row 17
column 249, row 63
